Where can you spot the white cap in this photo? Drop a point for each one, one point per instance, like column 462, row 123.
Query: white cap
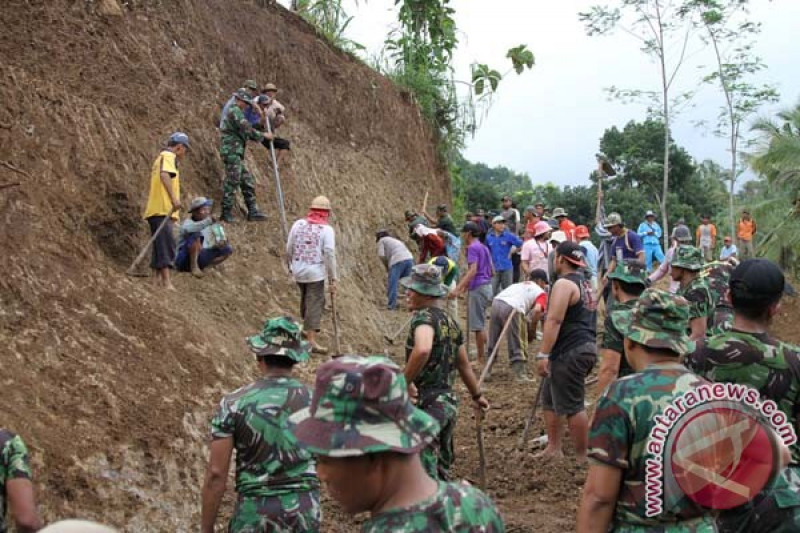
column 558, row 236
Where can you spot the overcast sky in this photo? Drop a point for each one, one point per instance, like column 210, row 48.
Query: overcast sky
column 548, row 121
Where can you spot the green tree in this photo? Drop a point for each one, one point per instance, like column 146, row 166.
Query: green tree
column 663, row 34
column 730, row 33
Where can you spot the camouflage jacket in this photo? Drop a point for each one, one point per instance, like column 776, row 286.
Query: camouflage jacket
column 613, row 339
column 701, row 302
column 267, row 461
column 718, row 275
column 456, row 507
column 758, row 361
column 14, row 464
column 619, row 436
column 438, row 374
column 236, row 131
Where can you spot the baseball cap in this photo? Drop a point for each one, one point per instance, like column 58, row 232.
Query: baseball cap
column 757, row 279
column 613, row 219
column 360, row 405
column 410, row 213
column 179, row 138
column 441, row 207
column 497, row 219
column 530, row 209
column 572, row 252
column 581, row 232
column 281, row 336
column 200, row 201
column 649, row 213
column 658, row 319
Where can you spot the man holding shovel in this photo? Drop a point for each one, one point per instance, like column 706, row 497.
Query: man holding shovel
column 311, row 258
column 434, row 351
column 163, row 203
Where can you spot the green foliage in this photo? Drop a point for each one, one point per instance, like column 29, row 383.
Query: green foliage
column 521, row 58
column 329, row 17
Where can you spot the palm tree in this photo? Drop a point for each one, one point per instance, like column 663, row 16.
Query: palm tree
column 778, row 161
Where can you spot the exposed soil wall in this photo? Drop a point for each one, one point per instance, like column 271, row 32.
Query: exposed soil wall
column 110, row 381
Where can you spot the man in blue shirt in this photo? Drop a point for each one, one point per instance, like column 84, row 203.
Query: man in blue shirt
column 251, row 113
column 502, row 243
column 651, row 233
column 625, row 243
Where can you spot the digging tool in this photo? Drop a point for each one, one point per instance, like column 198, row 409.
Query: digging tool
column 466, row 328
column 277, row 181
column 425, row 203
column 337, row 340
column 479, row 415
column 391, row 339
column 531, row 414
column 147, row 246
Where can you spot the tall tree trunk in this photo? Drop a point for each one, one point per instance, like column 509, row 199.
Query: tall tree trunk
column 731, row 216
column 665, row 190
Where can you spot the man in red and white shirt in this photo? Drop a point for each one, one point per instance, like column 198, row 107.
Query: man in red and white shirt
column 311, row 258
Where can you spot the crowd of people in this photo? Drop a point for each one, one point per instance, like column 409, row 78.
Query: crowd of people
column 379, row 437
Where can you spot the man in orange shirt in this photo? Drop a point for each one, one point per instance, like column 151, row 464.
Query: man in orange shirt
column 745, row 231
column 565, row 224
column 707, row 238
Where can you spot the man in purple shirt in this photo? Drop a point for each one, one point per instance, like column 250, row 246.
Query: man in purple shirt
column 478, row 280
column 625, row 243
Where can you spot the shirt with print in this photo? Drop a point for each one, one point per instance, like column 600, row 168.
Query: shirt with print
column 450, row 273
column 757, row 360
column 268, row 463
column 478, row 254
column 627, row 245
column 521, row 296
column 236, row 131
column 159, row 203
column 306, row 247
column 14, row 464
column 619, row 436
column 456, row 508
column 701, row 301
column 500, row 247
column 439, row 371
column 614, row 340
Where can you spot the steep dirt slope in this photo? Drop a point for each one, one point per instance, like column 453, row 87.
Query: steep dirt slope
column 110, row 381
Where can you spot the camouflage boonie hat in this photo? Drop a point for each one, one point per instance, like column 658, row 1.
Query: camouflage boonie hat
column 630, row 271
column 688, row 257
column 425, row 279
column 658, row 319
column 243, row 95
column 613, row 219
column 360, row 406
column 281, row 336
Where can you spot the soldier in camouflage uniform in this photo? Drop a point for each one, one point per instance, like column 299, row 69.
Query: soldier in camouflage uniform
column 276, row 482
column 628, row 281
column 718, row 275
column 686, row 266
column 434, row 352
column 614, row 494
column 15, row 484
column 236, row 130
column 367, row 437
column 749, row 355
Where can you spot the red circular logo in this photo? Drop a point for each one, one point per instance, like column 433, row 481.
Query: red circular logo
column 722, row 457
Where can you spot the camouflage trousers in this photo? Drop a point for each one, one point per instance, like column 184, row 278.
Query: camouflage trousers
column 439, row 455
column 237, row 177
column 776, row 510
column 703, row 524
column 293, row 512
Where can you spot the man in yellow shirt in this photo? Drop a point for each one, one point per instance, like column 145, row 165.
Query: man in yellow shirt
column 163, row 202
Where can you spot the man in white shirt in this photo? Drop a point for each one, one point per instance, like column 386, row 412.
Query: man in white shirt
column 520, row 299
column 397, row 260
column 311, row 258
column 728, row 249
